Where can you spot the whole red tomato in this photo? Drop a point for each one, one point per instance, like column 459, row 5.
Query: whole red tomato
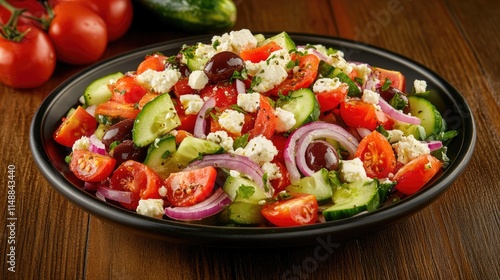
column 79, row 34
column 117, row 14
column 29, row 62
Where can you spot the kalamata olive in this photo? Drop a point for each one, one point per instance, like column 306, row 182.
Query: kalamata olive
column 321, row 154
column 128, row 150
column 222, row 66
column 118, row 132
column 177, row 64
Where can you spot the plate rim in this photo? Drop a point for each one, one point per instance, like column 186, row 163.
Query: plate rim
column 220, row 236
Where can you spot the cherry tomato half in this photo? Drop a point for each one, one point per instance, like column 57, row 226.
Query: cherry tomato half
column 356, row 113
column 91, row 167
column 303, row 78
column 416, row 173
column 79, row 123
column 187, row 188
column 377, row 155
column 260, row 53
column 298, row 209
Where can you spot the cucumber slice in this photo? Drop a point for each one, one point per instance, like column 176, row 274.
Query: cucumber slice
column 317, row 184
column 241, row 214
column 192, row 148
column 243, row 190
column 160, row 156
column 430, row 118
column 98, row 92
column 303, row 104
column 196, row 63
column 417, row 131
column 327, row 71
column 157, row 118
column 282, row 39
column 353, row 198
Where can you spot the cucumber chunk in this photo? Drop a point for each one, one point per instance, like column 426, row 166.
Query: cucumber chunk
column 192, row 148
column 241, row 214
column 160, row 156
column 303, row 104
column 327, row 71
column 98, row 92
column 353, row 198
column 282, row 39
column 317, row 184
column 157, row 118
column 241, row 189
column 417, row 131
column 430, row 118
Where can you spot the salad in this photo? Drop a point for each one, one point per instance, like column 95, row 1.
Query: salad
column 253, row 131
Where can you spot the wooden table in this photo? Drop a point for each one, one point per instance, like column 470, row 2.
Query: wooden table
column 456, row 237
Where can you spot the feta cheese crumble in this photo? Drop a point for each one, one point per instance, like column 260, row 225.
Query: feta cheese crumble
column 81, row 144
column 259, row 149
column 159, row 81
column 420, row 86
column 192, row 103
column 236, row 41
column 249, row 102
column 326, row 84
column 272, row 170
column 353, row 170
column 369, row 96
column 150, row 207
column 222, row 138
column 232, row 120
column 285, row 120
column 410, row 148
column 197, row 79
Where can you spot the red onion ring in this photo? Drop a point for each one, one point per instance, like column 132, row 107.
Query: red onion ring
column 307, row 138
column 96, row 145
column 240, row 86
column 200, row 125
column 434, row 145
column 239, row 163
column 347, row 141
column 211, row 206
column 116, row 195
column 363, row 131
column 395, row 114
column 316, row 53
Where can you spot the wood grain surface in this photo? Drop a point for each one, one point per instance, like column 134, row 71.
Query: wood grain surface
column 456, row 237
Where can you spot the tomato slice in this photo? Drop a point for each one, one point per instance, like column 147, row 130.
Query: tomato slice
column 91, row 167
column 187, row 121
column 356, row 113
column 79, row 123
column 280, row 141
column 117, row 110
column 283, row 182
column 187, row 188
column 397, row 79
column 302, row 78
column 225, row 94
column 260, row 53
column 182, row 87
column 127, row 90
column 265, row 122
column 295, row 210
column 154, row 62
column 137, row 178
column 377, row 155
column 329, row 100
column 416, row 173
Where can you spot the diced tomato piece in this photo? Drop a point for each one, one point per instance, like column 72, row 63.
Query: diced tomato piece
column 154, row 62
column 416, row 173
column 302, row 78
column 127, row 90
column 265, row 122
column 187, row 188
column 260, row 53
column 298, row 209
column 182, row 87
column 283, row 182
column 356, row 113
column 117, row 110
column 79, row 123
column 225, row 94
column 331, row 99
column 377, row 155
column 397, row 78
column 91, row 167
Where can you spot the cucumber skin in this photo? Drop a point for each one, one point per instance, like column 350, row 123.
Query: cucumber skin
column 194, row 15
column 431, row 119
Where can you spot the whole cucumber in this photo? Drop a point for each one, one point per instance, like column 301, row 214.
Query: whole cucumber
column 194, row 15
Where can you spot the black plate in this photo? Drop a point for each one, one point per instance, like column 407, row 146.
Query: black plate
column 50, row 156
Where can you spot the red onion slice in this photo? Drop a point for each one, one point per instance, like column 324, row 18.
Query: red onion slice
column 325, row 133
column 347, row 141
column 201, row 119
column 395, row 114
column 240, row 86
column 362, row 131
column 116, row 195
column 96, row 145
column 211, row 206
column 239, row 163
column 434, row 145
